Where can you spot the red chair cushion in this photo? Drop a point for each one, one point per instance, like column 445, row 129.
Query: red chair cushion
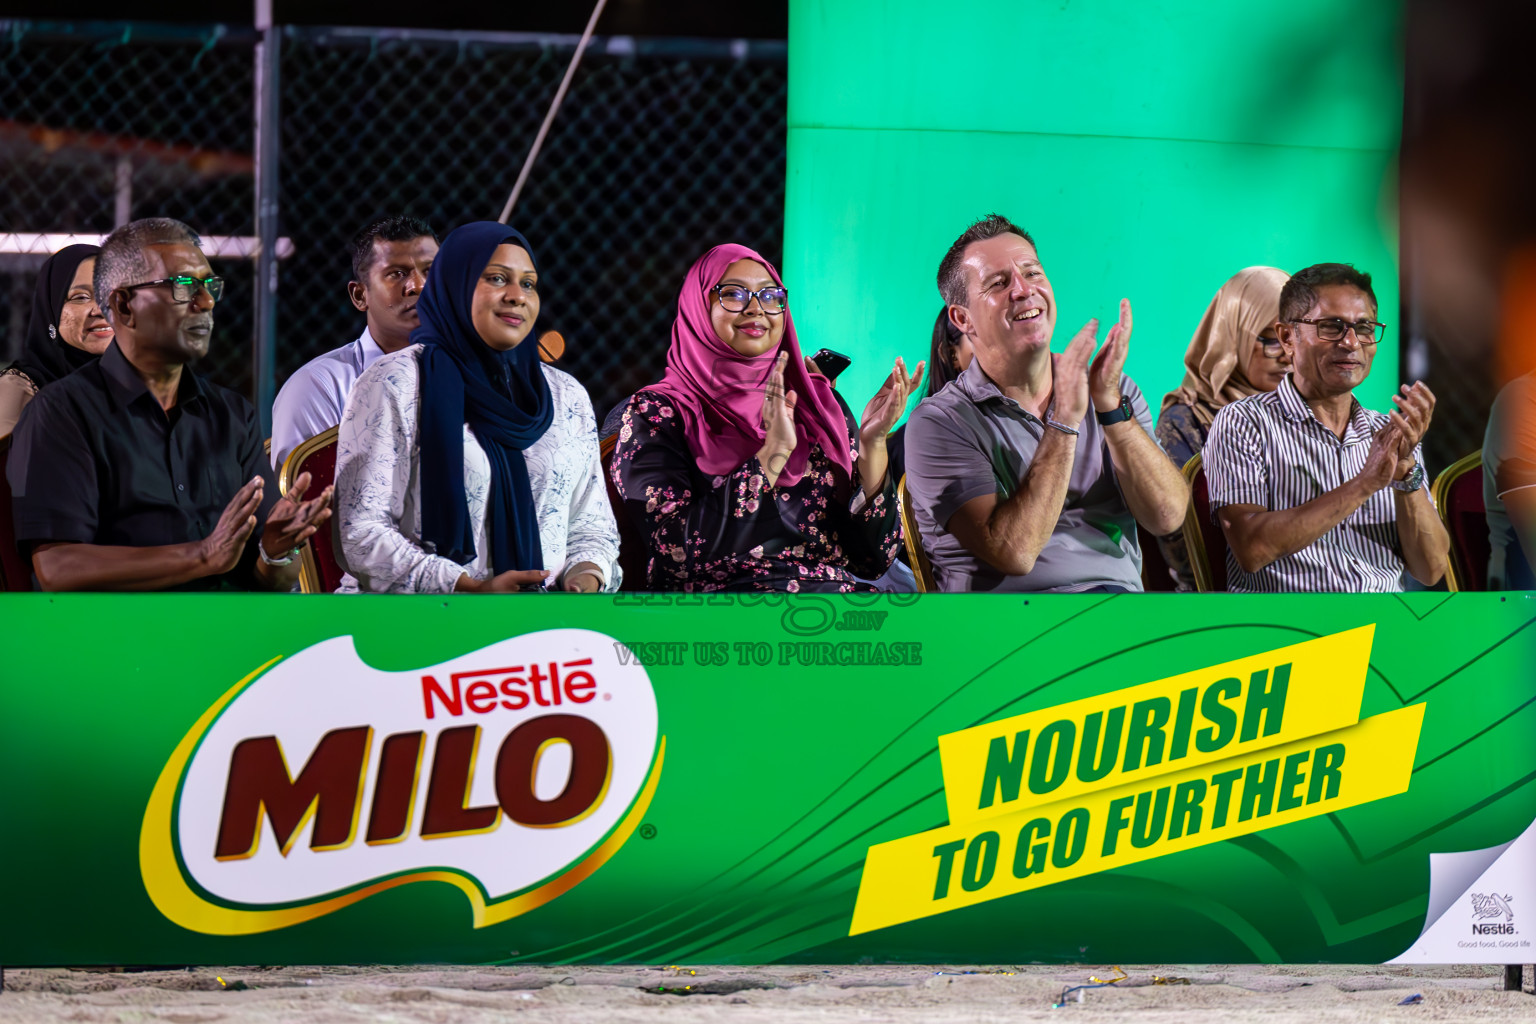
column 1467, row 520
column 320, row 464
column 15, row 573
column 1210, row 532
column 1156, row 577
column 633, row 551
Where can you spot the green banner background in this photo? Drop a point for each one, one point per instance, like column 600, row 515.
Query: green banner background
column 1153, row 149
column 777, row 780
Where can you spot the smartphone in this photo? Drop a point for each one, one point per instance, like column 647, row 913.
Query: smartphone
column 830, row 363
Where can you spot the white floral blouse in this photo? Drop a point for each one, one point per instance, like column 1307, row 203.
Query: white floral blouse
column 378, row 487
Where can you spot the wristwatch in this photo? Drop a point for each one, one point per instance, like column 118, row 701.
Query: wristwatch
column 276, row 561
column 1116, row 415
column 1413, row 481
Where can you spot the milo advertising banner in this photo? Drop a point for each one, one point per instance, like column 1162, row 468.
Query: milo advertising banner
column 270, row 779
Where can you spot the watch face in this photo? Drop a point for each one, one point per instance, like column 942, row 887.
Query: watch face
column 1118, row 414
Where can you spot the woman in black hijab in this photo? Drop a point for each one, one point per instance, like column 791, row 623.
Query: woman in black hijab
column 66, row 330
column 463, row 463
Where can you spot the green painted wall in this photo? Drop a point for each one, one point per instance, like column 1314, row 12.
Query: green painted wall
column 1153, row 149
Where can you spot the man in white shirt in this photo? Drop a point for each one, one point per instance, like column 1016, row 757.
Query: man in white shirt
column 390, row 261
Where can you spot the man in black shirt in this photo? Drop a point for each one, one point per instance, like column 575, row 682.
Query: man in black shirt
column 134, row 473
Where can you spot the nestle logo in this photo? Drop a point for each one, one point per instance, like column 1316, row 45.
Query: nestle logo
column 1493, row 929
column 509, row 687
column 286, row 794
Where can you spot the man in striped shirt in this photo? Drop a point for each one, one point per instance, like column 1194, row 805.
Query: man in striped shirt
column 1313, row 491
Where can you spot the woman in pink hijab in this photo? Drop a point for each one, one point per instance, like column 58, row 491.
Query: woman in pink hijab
column 741, row 468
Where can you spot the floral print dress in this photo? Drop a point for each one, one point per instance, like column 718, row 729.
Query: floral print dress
column 735, row 532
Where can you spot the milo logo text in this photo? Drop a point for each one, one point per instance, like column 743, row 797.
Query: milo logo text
column 322, row 779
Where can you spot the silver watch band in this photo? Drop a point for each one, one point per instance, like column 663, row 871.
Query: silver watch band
column 279, row 562
column 1412, row 482
column 1061, row 427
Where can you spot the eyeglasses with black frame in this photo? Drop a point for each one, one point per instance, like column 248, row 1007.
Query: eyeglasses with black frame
column 183, row 287
column 1333, row 329
column 735, row 299
column 1272, row 347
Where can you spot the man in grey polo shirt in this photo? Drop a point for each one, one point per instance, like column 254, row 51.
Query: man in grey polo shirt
column 1313, row 491
column 1016, row 488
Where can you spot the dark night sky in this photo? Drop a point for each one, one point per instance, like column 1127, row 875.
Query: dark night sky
column 709, row 18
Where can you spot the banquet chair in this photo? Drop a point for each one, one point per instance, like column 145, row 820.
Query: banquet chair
column 922, row 569
column 1206, row 544
column 633, row 553
column 15, row 573
column 319, row 572
column 1458, row 494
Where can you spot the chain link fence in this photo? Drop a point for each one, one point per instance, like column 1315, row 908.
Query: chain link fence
column 1459, row 369
column 662, row 148
column 103, row 124
column 660, row 151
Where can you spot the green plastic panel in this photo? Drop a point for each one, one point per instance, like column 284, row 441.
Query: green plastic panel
column 1152, row 150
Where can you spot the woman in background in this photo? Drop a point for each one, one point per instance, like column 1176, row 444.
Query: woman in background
column 1234, row 353
column 949, row 353
column 65, row 332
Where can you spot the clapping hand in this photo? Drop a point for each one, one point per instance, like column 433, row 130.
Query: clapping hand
column 888, row 403
column 1104, row 375
column 1382, row 460
column 779, row 438
column 1415, row 405
column 1069, row 377
column 291, row 523
column 1079, row 376
column 221, row 549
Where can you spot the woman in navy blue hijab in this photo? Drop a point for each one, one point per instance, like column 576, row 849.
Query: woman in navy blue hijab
column 463, row 462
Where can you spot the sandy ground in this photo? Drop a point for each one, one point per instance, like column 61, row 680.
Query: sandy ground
column 746, row 995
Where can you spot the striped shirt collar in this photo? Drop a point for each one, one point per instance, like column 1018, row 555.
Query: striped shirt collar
column 1295, row 408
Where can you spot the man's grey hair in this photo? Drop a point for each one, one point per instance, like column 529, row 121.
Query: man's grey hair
column 122, row 261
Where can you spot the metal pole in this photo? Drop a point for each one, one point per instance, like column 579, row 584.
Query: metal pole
column 123, row 191
column 549, row 116
column 263, row 364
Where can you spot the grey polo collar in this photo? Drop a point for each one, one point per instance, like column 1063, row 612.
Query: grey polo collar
column 975, row 385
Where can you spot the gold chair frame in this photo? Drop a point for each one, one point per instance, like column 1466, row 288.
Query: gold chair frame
column 1442, row 493
column 309, row 569
column 922, row 569
column 1194, row 539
